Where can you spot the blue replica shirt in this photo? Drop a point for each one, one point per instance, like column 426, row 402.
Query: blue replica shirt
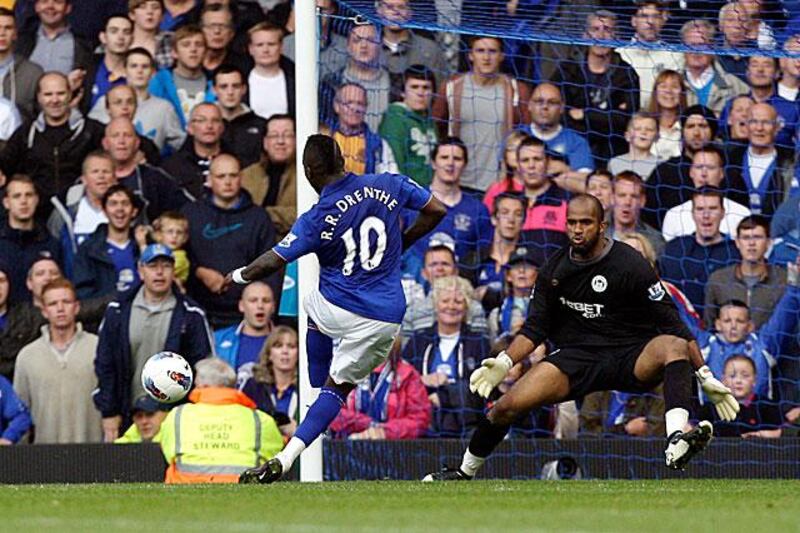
column 572, row 145
column 124, row 260
column 249, row 349
column 102, row 82
column 355, row 230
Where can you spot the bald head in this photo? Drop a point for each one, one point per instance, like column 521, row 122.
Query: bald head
column 122, row 143
column 546, row 106
column 53, row 96
column 762, row 126
column 226, row 180
column 587, row 202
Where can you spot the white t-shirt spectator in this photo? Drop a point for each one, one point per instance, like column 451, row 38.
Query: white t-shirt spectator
column 679, row 222
column 9, row 119
column 268, row 95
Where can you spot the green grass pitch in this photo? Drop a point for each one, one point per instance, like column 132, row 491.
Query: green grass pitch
column 676, row 506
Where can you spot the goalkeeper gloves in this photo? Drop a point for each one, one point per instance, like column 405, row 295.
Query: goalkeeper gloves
column 726, row 405
column 491, row 372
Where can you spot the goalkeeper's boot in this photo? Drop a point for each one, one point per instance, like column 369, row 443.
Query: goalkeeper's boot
column 269, row 472
column 681, row 447
column 447, row 474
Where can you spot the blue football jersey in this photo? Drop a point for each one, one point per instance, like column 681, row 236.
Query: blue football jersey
column 355, row 229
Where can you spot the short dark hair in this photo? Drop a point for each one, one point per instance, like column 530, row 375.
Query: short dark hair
column 508, row 195
column 600, row 172
column 438, row 248
column 708, row 190
column 419, row 72
column 742, row 358
column 599, row 212
column 227, row 68
column 22, row 178
column 141, row 51
column 323, row 155
column 753, row 222
column 712, row 149
column 117, row 16
column 472, row 38
column 530, row 140
column 735, row 302
column 629, row 176
column 451, row 141
column 5, row 12
column 279, row 116
column 114, row 189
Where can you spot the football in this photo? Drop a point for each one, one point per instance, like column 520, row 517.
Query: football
column 167, row 377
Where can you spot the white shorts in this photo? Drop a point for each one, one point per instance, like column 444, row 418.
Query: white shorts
column 359, row 344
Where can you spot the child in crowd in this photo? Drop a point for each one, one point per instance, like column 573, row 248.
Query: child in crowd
column 641, row 134
column 171, row 229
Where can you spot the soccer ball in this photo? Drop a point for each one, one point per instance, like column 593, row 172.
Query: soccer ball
column 167, row 377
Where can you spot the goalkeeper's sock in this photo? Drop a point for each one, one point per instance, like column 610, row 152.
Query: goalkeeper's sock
column 677, row 395
column 471, row 463
column 484, row 440
column 319, row 417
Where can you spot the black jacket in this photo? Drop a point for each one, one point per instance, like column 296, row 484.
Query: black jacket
column 51, row 156
column 19, row 249
column 94, row 273
column 157, row 191
column 244, row 137
column 188, row 169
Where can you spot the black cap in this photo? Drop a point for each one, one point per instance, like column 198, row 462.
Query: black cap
column 525, row 254
column 147, row 405
column 703, row 111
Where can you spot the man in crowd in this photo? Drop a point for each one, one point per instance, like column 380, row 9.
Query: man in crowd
column 22, row 238
column 150, row 318
column 628, row 201
column 272, row 181
column 244, row 130
column 216, row 20
column 190, row 165
column 148, row 415
column 271, row 81
column 225, row 229
column 752, row 280
column 688, row 261
column 20, row 83
column 403, row 47
column 108, row 69
column 408, row 126
column 55, row 376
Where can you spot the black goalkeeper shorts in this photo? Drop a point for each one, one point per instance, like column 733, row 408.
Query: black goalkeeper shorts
column 602, row 368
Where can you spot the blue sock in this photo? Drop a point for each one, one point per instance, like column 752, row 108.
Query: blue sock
column 320, row 415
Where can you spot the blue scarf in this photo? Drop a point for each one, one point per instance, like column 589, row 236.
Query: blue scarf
column 372, row 397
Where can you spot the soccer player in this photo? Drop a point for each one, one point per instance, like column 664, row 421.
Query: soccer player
column 355, row 314
column 613, row 326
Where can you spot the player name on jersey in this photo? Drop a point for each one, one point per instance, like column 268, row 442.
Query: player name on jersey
column 350, row 200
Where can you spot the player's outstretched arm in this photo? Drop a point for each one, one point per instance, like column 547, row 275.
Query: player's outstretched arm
column 261, row 267
column 429, row 216
column 494, row 369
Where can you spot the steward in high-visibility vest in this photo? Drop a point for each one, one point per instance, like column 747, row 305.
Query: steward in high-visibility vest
column 218, row 436
column 148, row 415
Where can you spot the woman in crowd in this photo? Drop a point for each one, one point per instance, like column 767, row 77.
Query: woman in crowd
column 669, row 99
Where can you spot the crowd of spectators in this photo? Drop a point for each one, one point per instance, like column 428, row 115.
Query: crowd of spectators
column 147, row 148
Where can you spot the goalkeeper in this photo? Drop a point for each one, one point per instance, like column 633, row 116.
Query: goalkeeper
column 614, row 327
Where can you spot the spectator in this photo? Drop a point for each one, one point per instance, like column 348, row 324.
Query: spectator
column 758, row 29
column 148, row 415
column 194, row 454
column 271, row 80
column 757, row 417
column 647, row 55
column 244, row 130
column 509, row 307
column 22, row 238
column 707, row 82
column 239, row 345
column 788, row 87
column 189, row 166
column 546, row 108
column 600, row 89
column 669, row 184
column 706, row 171
column 273, row 385
column 364, row 151
column 185, row 85
column 15, row 419
column 666, row 103
column 688, row 261
column 364, row 67
column 272, row 181
column 546, row 214
column 511, row 181
column 108, row 69
column 628, row 201
column 32, row 148
column 10, row 120
column 19, row 84
column 466, row 218
column 763, row 169
column 225, row 230
column 733, row 21
column 752, row 280
column 54, row 46
column 106, row 261
column 735, row 129
column 216, row 20
column 614, row 413
column 392, row 404
column 178, row 13
column 446, row 354
column 154, row 117
column 332, row 45
column 171, row 228
column 439, row 261
column 149, row 318
column 76, row 219
column 600, row 184
column 54, row 374
column 24, row 320
column 762, row 76
column 481, row 107
column 641, row 135
column 155, row 189
column 147, row 16
column 403, row 47
column 408, row 126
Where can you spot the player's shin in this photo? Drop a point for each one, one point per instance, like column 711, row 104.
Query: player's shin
column 484, row 440
column 677, row 395
column 319, row 417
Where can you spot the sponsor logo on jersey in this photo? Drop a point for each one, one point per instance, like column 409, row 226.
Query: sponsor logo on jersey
column 656, row 292
column 599, row 284
column 587, row 310
column 288, row 240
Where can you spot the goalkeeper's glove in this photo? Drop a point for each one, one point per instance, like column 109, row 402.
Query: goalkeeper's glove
column 726, row 405
column 491, row 372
